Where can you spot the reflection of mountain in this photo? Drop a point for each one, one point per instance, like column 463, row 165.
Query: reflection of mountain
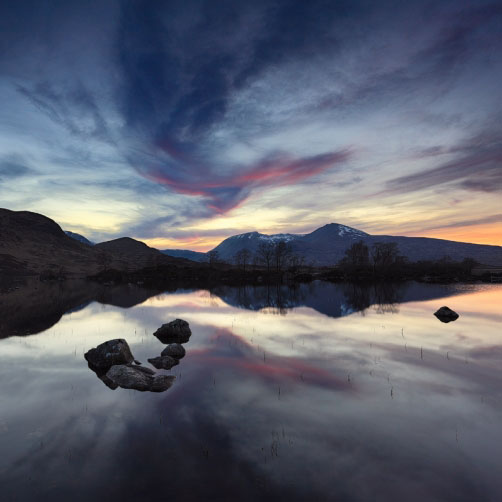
column 333, row 300
column 37, row 306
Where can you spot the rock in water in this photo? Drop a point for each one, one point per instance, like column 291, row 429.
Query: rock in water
column 134, row 377
column 177, row 331
column 175, row 350
column 162, row 382
column 128, row 377
column 146, row 371
column 445, row 314
column 110, row 353
column 101, row 374
column 163, row 362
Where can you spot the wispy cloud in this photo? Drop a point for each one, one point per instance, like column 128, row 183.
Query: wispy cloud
column 204, row 106
column 476, row 166
column 226, row 192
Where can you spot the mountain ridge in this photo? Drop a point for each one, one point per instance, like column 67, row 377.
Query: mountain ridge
column 326, row 245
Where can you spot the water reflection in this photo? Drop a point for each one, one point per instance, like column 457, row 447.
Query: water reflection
column 37, row 306
column 322, row 403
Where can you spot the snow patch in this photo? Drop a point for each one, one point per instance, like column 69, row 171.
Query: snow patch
column 351, row 232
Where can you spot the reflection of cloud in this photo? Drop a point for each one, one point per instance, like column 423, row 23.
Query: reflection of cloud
column 473, row 376
column 232, row 351
column 490, row 352
column 223, row 429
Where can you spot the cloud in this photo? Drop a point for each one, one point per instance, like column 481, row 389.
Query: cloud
column 72, row 107
column 476, row 166
column 494, row 218
column 227, row 192
column 13, row 168
column 212, row 103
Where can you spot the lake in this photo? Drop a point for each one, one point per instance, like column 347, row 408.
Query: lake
column 320, row 392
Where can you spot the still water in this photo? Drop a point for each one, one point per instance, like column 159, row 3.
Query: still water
column 323, row 392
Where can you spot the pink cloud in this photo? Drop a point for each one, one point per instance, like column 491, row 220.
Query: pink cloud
column 223, row 193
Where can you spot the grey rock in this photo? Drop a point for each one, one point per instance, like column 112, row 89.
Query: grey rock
column 177, row 331
column 162, row 382
column 128, row 377
column 146, row 371
column 135, row 377
column 101, row 374
column 109, row 383
column 110, row 353
column 163, row 362
column 175, row 350
column 445, row 314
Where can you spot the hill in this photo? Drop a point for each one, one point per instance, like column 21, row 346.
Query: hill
column 185, row 253
column 32, row 244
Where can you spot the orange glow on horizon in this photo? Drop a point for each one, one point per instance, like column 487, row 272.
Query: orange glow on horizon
column 200, row 244
column 479, row 234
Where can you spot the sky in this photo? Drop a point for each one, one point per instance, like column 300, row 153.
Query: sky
column 181, row 123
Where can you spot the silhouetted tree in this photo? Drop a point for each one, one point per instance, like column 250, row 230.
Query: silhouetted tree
column 265, row 254
column 357, row 256
column 384, row 255
column 242, row 258
column 282, row 252
column 296, row 262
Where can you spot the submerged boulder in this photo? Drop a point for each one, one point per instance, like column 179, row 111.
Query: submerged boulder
column 163, row 362
column 110, row 353
column 445, row 314
column 177, row 331
column 175, row 350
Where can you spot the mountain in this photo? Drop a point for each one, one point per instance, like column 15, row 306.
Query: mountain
column 319, row 246
column 250, row 241
column 326, row 245
column 79, row 238
column 185, row 253
column 31, row 244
